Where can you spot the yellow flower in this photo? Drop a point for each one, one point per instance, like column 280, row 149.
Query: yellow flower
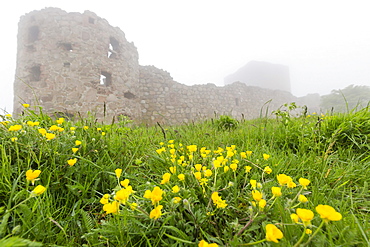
column 233, row 166
column 253, row 183
column 304, row 182
column 302, row 199
column 103, row 133
column 204, row 243
column 192, row 148
column 50, row 136
column 42, row 131
column 156, row 212
column 60, row 120
column 38, row 190
column 308, row 231
column 13, row 139
column 208, row 173
column 257, row 196
column 291, row 185
column 283, row 179
column 226, row 168
column 161, row 150
column 133, row 206
column 32, row 175
column 15, row 127
column 155, row 195
column 175, row 189
column 267, row 170
column 123, row 194
column 173, row 169
column 198, row 175
column 273, row 233
column 71, row 162
column 276, row 191
column 328, row 213
column 53, row 128
column 112, row 207
column 86, row 127
column 125, row 182
column 26, row 105
column 74, row 150
column 305, row 215
column 294, row 217
column 118, row 172
column 266, row 156
column 176, row 199
column 78, row 143
column 217, row 200
column 243, row 155
column 262, row 203
column 104, row 199
column 166, row 178
column 248, row 168
column 181, row 177
column 198, row 167
column 171, row 141
column 72, row 128
column 98, row 129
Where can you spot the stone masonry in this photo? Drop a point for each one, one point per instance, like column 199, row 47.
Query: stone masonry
column 73, row 62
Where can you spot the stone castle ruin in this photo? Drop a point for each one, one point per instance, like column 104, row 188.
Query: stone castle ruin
column 73, row 62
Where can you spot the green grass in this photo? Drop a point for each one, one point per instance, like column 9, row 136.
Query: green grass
column 332, row 151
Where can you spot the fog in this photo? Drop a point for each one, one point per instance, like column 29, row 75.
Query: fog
column 325, row 44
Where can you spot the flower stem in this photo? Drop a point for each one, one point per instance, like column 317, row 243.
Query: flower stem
column 314, row 234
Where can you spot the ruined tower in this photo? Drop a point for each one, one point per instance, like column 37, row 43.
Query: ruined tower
column 73, row 62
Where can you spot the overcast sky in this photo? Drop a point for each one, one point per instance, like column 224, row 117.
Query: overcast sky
column 325, row 43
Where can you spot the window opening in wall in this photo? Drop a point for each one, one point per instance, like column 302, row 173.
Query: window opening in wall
column 33, row 33
column 113, row 47
column 35, row 73
column 237, row 101
column 105, row 78
column 67, row 46
column 91, row 20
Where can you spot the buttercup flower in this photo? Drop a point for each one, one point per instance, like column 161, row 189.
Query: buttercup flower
column 77, row 142
column 257, row 196
column 156, row 212
column 175, row 189
column 125, row 183
column 60, row 120
column 111, row 208
column 305, row 215
column 247, row 168
column 181, row 177
column 71, row 162
column 273, row 233
column 26, row 105
column 155, row 195
column 50, row 136
column 118, row 172
column 267, row 170
column 294, row 217
column 283, row 179
column 204, row 243
column 276, row 191
column 13, row 139
column 198, row 175
column 291, row 185
column 176, row 199
column 198, row 167
column 304, row 182
column 123, row 194
column 253, row 183
column 217, row 200
column 302, row 199
column 262, row 203
column 308, row 231
column 328, row 213
column 32, row 175
column 38, row 190
column 208, row 173
column 233, row 166
column 166, row 178
column 15, row 127
column 266, row 156
column 74, row 150
column 104, row 199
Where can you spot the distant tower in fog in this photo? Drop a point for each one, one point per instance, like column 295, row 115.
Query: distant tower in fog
column 262, row 74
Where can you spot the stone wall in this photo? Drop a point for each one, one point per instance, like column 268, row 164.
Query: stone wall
column 72, row 62
column 63, row 58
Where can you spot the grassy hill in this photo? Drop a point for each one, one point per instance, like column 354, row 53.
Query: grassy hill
column 284, row 181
